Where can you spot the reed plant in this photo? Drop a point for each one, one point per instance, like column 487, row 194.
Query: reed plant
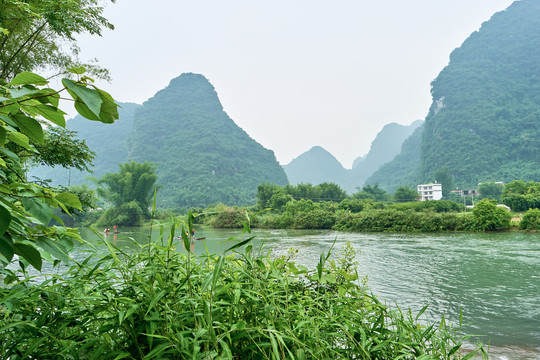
column 153, row 302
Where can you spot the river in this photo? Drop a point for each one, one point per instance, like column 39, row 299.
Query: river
column 493, row 278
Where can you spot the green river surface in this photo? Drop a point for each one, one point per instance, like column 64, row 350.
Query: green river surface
column 494, row 278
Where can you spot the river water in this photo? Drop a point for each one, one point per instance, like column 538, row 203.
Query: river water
column 494, row 279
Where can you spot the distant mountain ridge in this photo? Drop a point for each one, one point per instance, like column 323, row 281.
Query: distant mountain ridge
column 318, row 165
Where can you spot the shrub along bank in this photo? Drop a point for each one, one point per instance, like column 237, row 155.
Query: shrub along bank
column 366, row 216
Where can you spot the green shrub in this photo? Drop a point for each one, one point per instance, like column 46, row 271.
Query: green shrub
column 315, row 219
column 352, row 205
column 229, row 217
column 128, row 214
column 488, row 217
column 531, row 220
column 437, row 206
column 392, row 220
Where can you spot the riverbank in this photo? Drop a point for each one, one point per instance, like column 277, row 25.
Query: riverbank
column 433, row 216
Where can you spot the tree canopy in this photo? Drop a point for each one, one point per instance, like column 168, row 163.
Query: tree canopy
column 34, row 33
column 134, row 182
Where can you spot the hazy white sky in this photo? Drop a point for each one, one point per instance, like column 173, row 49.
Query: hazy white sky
column 293, row 74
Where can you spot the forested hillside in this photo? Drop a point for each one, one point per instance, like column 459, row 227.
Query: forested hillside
column 202, row 156
column 317, row 165
column 484, row 123
column 384, row 148
column 108, row 141
column 403, row 169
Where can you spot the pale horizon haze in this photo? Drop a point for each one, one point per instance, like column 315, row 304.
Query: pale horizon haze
column 292, row 74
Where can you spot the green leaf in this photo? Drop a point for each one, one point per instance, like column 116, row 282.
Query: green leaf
column 39, row 210
column 241, row 243
column 29, row 253
column 77, row 70
column 5, row 219
column 7, row 120
column 217, row 271
column 2, row 136
column 54, row 248
column 89, row 97
column 28, row 126
column 6, row 248
column 52, row 113
column 109, row 109
column 20, row 139
column 50, row 96
column 69, row 199
column 9, row 154
column 25, row 78
column 84, row 111
column 19, row 93
column 155, row 300
column 186, row 240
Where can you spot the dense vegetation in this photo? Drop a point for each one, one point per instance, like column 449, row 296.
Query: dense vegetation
column 403, row 169
column 326, row 206
column 27, row 102
column 153, row 302
column 484, row 124
column 202, row 156
column 109, row 143
column 522, row 196
column 129, row 192
column 317, row 165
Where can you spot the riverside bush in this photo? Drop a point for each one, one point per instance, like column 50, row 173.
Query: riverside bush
column 154, row 303
column 436, row 206
column 489, row 217
column 229, row 217
column 315, row 219
column 392, row 220
column 128, row 214
column 531, row 220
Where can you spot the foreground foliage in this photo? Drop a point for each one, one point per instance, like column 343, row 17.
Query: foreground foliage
column 157, row 303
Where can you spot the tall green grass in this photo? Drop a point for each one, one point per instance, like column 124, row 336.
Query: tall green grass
column 153, row 302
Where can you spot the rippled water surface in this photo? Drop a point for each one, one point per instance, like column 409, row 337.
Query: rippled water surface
column 493, row 278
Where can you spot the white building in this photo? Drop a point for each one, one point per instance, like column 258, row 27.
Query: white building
column 429, row 191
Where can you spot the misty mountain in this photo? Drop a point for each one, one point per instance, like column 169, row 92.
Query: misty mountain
column 317, row 165
column 384, row 148
column 202, row 156
column 403, row 169
column 358, row 161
